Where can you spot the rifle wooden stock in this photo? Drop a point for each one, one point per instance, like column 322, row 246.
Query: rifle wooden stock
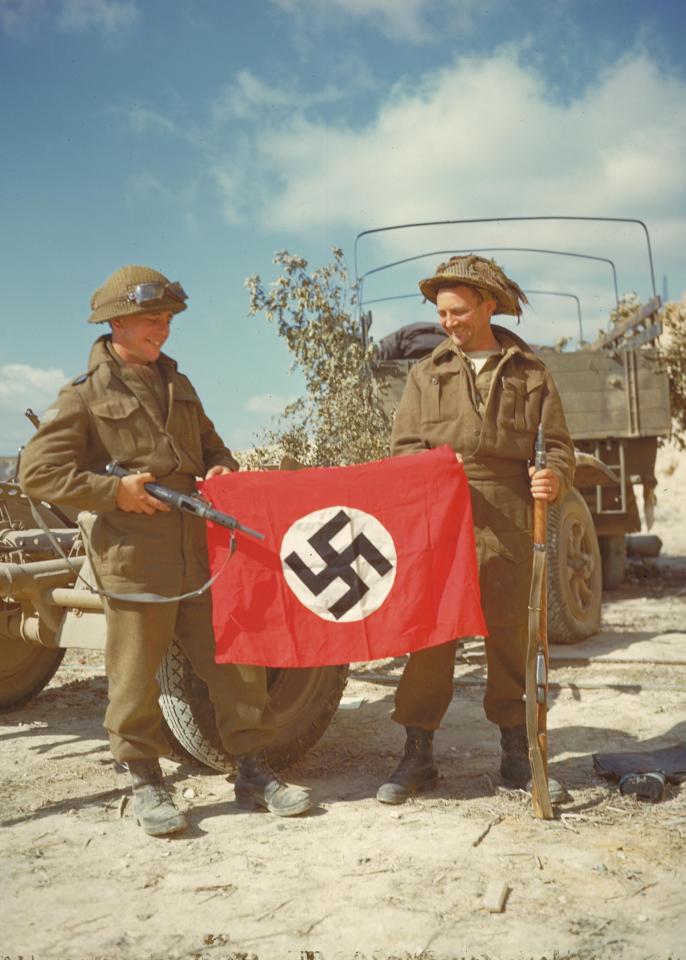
column 537, row 658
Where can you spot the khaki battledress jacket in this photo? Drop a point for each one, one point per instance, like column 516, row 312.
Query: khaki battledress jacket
column 492, row 420
column 111, row 413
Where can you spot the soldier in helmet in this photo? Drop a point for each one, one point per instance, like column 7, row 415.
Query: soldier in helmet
column 133, row 405
column 483, row 392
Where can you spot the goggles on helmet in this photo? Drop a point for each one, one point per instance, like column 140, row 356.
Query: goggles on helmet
column 148, row 292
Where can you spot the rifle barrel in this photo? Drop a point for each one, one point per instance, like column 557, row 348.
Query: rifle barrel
column 540, row 456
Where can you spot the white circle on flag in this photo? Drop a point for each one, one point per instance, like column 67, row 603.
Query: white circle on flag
column 339, row 562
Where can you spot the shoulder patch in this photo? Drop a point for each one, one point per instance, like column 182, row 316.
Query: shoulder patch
column 82, row 377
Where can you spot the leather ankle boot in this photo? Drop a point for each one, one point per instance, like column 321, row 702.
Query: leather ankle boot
column 258, row 786
column 152, row 803
column 415, row 771
column 515, row 768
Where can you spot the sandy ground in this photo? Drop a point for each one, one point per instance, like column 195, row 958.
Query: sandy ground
column 356, row 879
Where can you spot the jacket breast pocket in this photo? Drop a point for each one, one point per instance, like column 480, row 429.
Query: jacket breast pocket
column 431, row 400
column 520, row 407
column 441, row 398
column 124, row 429
column 533, row 403
column 512, row 404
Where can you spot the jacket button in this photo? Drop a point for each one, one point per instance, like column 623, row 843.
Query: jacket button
column 434, row 379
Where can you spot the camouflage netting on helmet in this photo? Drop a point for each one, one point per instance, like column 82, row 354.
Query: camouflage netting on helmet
column 111, row 300
column 485, row 275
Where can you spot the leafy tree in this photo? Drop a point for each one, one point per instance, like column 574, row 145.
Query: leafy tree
column 628, row 304
column 673, row 350
column 672, row 347
column 339, row 420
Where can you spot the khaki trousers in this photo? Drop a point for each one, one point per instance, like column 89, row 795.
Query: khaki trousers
column 138, row 636
column 426, row 686
column 501, row 510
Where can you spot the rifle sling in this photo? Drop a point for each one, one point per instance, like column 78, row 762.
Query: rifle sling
column 130, row 597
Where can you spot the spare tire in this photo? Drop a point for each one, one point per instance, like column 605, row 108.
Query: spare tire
column 574, row 571
column 304, row 702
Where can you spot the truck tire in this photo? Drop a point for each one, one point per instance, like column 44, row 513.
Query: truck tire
column 613, row 560
column 304, row 702
column 25, row 668
column 574, row 571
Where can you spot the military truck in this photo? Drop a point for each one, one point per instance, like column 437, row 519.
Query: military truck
column 45, row 610
column 616, row 398
column 615, row 394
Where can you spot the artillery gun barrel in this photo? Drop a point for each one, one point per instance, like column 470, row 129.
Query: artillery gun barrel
column 22, row 580
column 74, row 599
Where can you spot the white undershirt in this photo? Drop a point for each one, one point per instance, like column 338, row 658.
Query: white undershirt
column 478, row 358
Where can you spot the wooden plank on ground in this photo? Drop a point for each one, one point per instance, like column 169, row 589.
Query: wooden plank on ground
column 495, row 896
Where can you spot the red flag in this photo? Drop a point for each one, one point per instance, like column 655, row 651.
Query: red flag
column 358, row 563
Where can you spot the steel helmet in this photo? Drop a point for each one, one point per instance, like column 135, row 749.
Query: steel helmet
column 134, row 289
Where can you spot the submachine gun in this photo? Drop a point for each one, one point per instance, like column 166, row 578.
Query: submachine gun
column 188, row 503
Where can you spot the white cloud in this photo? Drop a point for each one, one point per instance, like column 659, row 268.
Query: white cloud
column 405, row 20
column 248, row 97
column 475, row 138
column 145, row 186
column 15, row 15
column 77, row 16
column 230, row 181
column 70, row 16
column 23, row 386
column 481, row 137
column 245, row 106
column 485, row 138
column 144, row 120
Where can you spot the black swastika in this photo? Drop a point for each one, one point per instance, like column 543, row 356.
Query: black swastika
column 339, row 565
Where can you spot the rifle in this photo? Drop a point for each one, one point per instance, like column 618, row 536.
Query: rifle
column 193, row 504
column 537, row 656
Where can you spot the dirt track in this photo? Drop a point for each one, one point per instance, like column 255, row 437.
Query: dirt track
column 356, row 879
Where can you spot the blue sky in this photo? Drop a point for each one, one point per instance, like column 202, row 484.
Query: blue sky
column 200, row 137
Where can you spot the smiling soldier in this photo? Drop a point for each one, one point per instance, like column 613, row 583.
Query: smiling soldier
column 484, row 393
column 133, row 405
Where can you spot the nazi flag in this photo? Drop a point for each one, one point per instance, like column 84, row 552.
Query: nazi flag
column 358, row 563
